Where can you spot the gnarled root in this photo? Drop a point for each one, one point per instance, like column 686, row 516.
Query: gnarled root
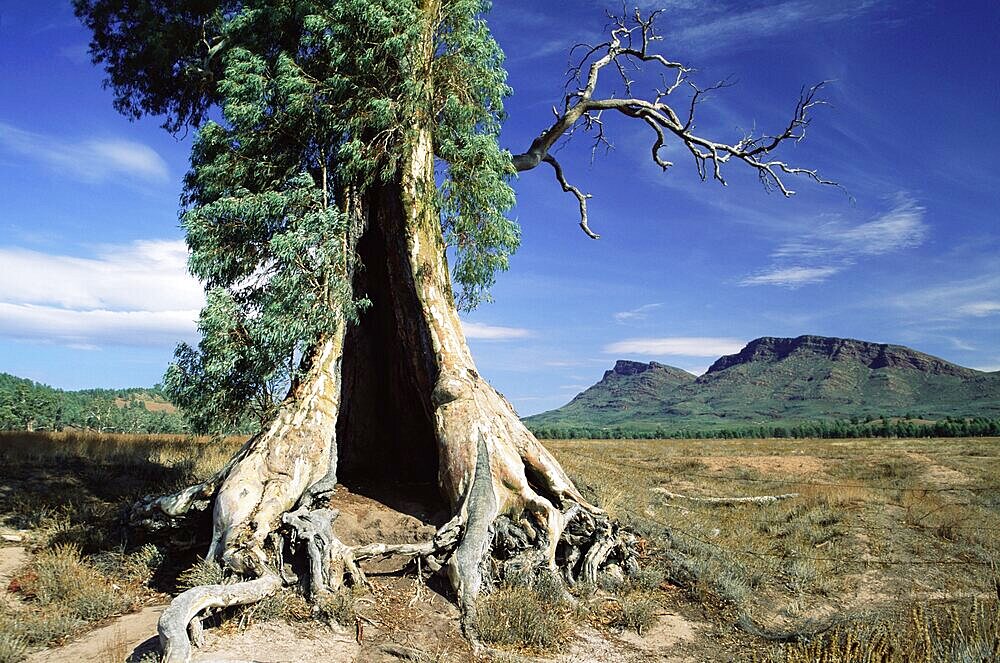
column 330, row 563
column 522, row 513
column 329, row 559
column 183, row 612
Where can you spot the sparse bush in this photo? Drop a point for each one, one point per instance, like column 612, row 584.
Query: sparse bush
column 59, row 577
column 202, row 572
column 949, row 635
column 337, row 607
column 649, row 578
column 13, row 647
column 516, row 616
column 636, row 611
column 38, row 627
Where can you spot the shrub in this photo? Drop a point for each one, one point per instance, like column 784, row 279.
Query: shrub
column 516, row 616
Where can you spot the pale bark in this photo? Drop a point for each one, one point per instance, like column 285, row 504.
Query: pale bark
column 514, row 508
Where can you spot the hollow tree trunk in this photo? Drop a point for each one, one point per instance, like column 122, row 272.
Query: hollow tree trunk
column 396, row 396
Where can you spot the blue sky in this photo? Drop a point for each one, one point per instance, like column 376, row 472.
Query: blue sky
column 93, row 289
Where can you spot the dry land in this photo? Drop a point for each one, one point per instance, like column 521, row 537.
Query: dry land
column 879, row 549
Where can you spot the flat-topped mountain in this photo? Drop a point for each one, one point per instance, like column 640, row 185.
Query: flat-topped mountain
column 846, row 350
column 807, row 378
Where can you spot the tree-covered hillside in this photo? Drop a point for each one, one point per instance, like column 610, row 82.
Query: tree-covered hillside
column 28, row 405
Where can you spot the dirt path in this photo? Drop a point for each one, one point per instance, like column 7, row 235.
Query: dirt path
column 11, row 558
column 107, row 644
column 280, row 643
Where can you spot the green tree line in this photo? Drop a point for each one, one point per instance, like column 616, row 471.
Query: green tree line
column 28, row 405
column 882, row 427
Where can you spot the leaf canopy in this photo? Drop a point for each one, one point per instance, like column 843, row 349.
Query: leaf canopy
column 299, row 104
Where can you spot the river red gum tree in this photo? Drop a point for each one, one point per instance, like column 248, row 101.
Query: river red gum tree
column 342, row 147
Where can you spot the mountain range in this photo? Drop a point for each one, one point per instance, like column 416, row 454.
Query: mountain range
column 782, row 380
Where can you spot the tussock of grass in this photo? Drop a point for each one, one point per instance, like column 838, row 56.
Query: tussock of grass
column 62, row 593
column 337, row 607
column 516, row 616
column 60, row 577
column 13, row 647
column 635, row 611
column 202, row 572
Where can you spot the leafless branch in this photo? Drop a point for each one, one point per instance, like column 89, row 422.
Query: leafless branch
column 628, row 48
column 580, row 195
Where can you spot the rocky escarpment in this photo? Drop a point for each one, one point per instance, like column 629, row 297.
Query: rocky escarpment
column 871, row 355
column 624, row 367
column 807, row 378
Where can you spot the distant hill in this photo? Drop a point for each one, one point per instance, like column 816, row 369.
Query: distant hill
column 28, row 405
column 779, row 380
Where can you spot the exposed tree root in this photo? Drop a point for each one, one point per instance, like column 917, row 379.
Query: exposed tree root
column 184, row 611
column 754, row 499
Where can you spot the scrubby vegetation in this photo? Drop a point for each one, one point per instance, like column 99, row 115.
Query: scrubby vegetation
column 876, row 530
column 886, row 552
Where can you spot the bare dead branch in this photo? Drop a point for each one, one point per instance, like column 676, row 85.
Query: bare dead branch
column 724, row 501
column 628, row 47
column 580, row 196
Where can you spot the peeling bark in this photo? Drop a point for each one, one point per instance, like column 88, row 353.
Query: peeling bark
column 396, row 396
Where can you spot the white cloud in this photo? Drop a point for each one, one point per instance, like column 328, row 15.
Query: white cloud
column 832, row 247
column 149, row 275
column 92, row 161
column 480, row 331
column 979, row 309
column 687, row 346
column 976, row 297
column 134, row 294
column 92, row 329
column 713, row 26
column 640, row 313
column 791, row 277
column 901, row 228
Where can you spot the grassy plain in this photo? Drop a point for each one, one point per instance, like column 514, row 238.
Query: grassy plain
column 889, row 546
column 886, row 551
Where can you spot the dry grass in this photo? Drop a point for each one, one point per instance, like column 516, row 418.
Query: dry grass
column 878, row 527
column 516, row 616
column 927, row 635
column 866, row 537
column 66, row 492
column 60, row 593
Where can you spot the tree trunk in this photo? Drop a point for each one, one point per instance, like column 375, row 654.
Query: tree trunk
column 395, row 398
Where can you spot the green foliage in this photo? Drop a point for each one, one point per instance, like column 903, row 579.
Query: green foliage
column 27, row 405
column 319, row 102
column 474, row 194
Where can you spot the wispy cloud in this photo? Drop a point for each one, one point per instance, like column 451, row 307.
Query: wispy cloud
column 685, row 346
column 134, row 294
column 93, row 329
column 979, row 309
column 90, row 160
column 484, row 332
column 78, row 54
column 834, row 246
column 640, row 313
column 976, row 297
column 716, row 26
column 791, row 277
